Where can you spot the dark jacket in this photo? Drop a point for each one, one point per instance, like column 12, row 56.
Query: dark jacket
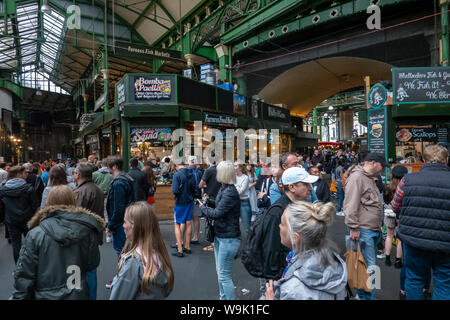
column 425, row 209
column 183, row 187
column 322, row 190
column 120, row 196
column 90, row 197
column 140, row 184
column 226, row 212
column 18, row 201
column 37, row 183
column 315, row 160
column 62, row 239
column 274, row 252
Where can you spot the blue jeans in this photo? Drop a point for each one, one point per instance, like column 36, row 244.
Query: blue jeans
column 224, row 251
column 91, row 279
column 403, row 274
column 368, row 241
column 246, row 214
column 341, row 196
column 119, row 239
column 418, row 264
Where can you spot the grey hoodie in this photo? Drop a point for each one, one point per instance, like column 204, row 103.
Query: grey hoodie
column 307, row 279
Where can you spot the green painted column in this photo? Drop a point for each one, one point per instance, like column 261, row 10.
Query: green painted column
column 105, row 70
column 125, row 133
column 113, row 139
column 314, row 121
column 445, row 33
column 242, row 85
column 85, row 102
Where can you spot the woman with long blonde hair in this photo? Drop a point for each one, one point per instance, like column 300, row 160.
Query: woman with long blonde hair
column 145, row 271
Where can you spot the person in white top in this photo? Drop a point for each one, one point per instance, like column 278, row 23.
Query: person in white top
column 242, row 185
column 3, row 172
column 251, row 188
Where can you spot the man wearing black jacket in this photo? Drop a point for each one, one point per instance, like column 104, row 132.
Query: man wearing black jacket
column 297, row 186
column 19, row 203
column 140, row 184
column 35, row 181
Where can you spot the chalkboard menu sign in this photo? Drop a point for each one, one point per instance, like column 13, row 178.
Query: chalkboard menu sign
column 377, row 130
column 120, row 93
column 421, row 85
column 443, row 135
column 152, row 89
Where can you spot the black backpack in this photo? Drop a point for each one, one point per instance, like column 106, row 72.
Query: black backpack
column 251, row 254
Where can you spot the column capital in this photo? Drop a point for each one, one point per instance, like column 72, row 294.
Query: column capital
column 85, row 97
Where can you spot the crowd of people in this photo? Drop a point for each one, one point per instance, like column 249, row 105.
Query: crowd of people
column 63, row 210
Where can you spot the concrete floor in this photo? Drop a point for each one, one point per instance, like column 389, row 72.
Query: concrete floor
column 195, row 274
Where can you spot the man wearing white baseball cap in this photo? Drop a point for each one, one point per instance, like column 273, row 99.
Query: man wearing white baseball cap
column 297, row 187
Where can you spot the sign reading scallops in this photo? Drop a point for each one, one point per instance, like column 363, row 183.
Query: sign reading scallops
column 421, row 85
column 152, row 89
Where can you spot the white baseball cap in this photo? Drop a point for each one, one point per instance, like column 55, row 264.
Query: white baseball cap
column 297, row 174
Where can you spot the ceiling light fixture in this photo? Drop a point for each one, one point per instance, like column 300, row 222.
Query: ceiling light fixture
column 39, row 92
column 45, row 7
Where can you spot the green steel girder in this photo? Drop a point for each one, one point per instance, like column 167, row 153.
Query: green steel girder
column 189, row 16
column 142, row 14
column 343, row 10
column 121, row 20
column 265, row 15
column 163, row 8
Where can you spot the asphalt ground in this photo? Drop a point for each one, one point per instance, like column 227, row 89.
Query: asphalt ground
column 195, row 274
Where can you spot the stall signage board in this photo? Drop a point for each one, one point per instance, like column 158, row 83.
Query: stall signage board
column 421, row 85
column 212, row 119
column 377, row 131
column 155, row 136
column 422, row 135
column 275, row 113
column 377, row 96
column 120, row 93
column 152, row 89
column 127, row 49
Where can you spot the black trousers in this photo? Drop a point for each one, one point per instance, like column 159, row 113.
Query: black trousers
column 16, row 231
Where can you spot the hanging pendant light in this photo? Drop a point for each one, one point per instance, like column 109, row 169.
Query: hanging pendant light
column 45, row 7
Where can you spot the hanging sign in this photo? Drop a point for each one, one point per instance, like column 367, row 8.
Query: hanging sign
column 127, row 49
column 120, row 93
column 212, row 119
column 377, row 96
column 421, row 85
column 275, row 113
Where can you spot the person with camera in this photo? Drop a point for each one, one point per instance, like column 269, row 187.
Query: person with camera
column 226, row 227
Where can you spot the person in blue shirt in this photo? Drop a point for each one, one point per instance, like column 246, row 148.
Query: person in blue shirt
column 288, row 160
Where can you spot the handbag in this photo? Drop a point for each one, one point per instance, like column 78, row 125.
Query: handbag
column 358, row 277
column 209, row 230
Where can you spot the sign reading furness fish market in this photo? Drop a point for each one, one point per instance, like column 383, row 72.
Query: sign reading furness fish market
column 421, row 85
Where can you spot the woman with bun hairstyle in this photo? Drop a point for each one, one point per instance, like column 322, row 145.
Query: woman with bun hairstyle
column 314, row 271
column 145, row 271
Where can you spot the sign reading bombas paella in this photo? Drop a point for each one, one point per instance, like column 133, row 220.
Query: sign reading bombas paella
column 152, row 89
